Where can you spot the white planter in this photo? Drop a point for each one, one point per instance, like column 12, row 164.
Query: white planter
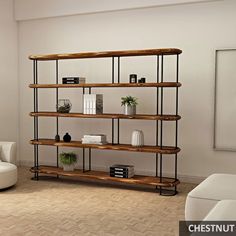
column 137, row 138
column 129, row 110
column 69, row 167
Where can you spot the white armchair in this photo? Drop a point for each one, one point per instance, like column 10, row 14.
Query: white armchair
column 8, row 169
column 8, row 152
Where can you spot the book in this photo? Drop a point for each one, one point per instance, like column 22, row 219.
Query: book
column 95, row 138
column 73, row 80
column 121, row 171
column 122, row 175
column 99, row 139
column 93, row 104
column 122, row 167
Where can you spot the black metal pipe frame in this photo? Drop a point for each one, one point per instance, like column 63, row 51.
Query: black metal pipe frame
column 35, row 136
column 83, row 159
column 118, row 120
column 90, row 153
column 176, row 123
column 36, row 150
column 157, row 112
column 57, row 119
column 161, row 131
column 113, row 119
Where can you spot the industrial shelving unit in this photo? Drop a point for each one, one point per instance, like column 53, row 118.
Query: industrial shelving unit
column 164, row 185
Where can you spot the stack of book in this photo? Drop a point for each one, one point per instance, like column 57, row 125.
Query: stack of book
column 92, row 103
column 99, row 139
column 73, row 80
column 122, row 171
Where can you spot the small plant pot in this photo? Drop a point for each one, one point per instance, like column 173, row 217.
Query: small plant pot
column 129, row 110
column 69, row 167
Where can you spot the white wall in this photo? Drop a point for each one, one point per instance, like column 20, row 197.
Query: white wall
column 34, row 9
column 8, row 73
column 197, row 29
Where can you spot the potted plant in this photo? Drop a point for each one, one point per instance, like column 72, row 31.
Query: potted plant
column 129, row 104
column 68, row 160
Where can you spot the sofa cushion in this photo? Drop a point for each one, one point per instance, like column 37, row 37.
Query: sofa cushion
column 207, row 194
column 8, row 175
column 224, row 210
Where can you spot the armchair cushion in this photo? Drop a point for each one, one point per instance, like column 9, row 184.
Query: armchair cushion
column 8, row 152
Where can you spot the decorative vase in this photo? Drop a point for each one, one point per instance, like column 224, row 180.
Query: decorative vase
column 64, row 106
column 129, row 110
column 137, row 138
column 67, row 138
column 69, row 167
column 57, row 138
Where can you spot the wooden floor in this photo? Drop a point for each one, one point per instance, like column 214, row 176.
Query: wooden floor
column 68, row 207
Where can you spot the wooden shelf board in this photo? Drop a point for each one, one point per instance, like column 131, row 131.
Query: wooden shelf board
column 99, row 175
column 127, row 53
column 117, row 147
column 107, row 116
column 104, row 85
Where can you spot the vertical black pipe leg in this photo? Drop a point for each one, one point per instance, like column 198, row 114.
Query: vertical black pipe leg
column 90, row 156
column 37, row 119
column 118, row 71
column 112, row 130
column 157, row 113
column 113, row 70
column 118, row 131
column 57, row 119
column 176, row 123
column 83, row 160
column 160, row 173
column 37, row 151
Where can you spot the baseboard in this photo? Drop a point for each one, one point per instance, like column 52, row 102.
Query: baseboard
column 182, row 178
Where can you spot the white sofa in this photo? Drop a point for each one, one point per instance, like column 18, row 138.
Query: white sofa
column 202, row 199
column 8, row 169
column 224, row 210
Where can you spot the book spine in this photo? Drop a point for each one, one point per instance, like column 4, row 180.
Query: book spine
column 121, row 176
column 122, row 169
column 99, row 104
column 84, row 104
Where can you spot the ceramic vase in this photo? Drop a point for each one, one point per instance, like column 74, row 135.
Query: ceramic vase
column 137, row 138
column 129, row 110
column 69, row 167
column 67, row 138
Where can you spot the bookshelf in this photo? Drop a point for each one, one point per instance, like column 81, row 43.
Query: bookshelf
column 164, row 185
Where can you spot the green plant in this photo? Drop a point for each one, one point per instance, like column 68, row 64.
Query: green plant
column 68, row 158
column 129, row 101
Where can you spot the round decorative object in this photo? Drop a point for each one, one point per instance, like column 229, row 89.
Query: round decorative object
column 64, row 106
column 137, row 138
column 67, row 138
column 57, row 138
column 129, row 110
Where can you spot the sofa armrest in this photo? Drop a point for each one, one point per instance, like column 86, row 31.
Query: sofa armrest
column 8, row 152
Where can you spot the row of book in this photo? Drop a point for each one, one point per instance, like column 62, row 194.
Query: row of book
column 122, row 171
column 99, row 139
column 92, row 103
column 73, row 80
